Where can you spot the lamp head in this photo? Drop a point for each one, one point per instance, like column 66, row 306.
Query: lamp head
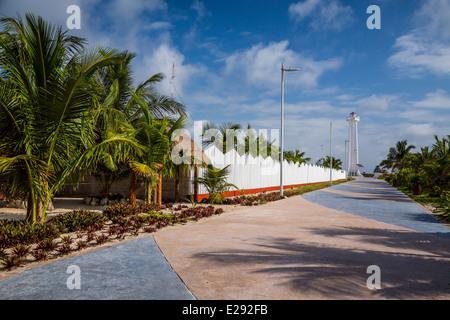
column 290, row 69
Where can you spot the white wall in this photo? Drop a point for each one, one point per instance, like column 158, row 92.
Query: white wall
column 247, row 172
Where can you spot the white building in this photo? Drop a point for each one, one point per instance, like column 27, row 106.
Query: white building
column 352, row 157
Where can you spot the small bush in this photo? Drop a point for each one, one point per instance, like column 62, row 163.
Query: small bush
column 12, row 262
column 66, row 240
column 149, row 229
column 47, row 245
column 64, row 249
column 40, row 254
column 81, row 244
column 101, row 239
column 22, row 232
column 126, row 210
column 443, row 208
column 21, row 250
column 78, row 220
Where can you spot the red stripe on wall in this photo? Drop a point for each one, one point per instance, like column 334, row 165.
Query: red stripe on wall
column 236, row 193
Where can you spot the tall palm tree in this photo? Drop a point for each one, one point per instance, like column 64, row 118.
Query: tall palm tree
column 325, row 162
column 422, row 158
column 296, row 157
column 398, row 156
column 441, row 151
column 255, row 145
column 133, row 110
column 47, row 109
column 223, row 136
column 441, row 148
column 156, row 134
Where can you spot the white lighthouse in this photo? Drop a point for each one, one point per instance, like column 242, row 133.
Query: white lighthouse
column 352, row 159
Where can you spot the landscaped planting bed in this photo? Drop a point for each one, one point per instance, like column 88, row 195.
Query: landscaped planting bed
column 77, row 230
column 66, row 233
column 264, row 197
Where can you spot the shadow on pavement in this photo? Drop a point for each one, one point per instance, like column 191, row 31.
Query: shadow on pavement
column 413, row 266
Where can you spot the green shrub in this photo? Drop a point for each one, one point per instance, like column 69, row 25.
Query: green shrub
column 13, row 233
column 125, row 209
column 216, row 198
column 12, row 262
column 443, row 209
column 77, row 220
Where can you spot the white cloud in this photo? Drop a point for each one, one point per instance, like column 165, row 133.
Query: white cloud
column 376, row 103
column 52, row 10
column 200, row 8
column 159, row 25
column 302, row 9
column 161, row 59
column 260, row 66
column 323, row 14
column 418, row 130
column 130, row 10
column 426, row 48
column 438, row 99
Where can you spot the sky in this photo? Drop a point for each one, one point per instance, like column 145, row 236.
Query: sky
column 228, row 57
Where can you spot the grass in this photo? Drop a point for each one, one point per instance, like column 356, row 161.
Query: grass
column 440, row 206
column 422, row 198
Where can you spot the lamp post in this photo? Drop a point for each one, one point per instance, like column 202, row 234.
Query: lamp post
column 346, row 155
column 331, row 154
column 282, row 124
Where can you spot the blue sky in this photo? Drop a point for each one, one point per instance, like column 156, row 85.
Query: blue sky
column 228, row 56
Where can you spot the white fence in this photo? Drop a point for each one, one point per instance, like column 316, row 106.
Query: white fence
column 247, row 172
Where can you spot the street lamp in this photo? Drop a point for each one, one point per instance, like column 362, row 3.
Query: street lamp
column 282, row 125
column 346, row 164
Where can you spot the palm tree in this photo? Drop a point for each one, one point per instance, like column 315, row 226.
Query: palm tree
column 133, row 111
column 441, row 151
column 398, row 156
column 221, row 135
column 161, row 155
column 46, row 109
column 215, row 182
column 325, row 162
column 255, row 145
column 441, row 148
column 181, row 159
column 296, row 157
column 422, row 158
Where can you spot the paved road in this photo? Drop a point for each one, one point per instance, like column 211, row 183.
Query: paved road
column 316, row 246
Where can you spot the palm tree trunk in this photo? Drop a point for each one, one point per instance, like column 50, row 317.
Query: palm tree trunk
column 30, row 212
column 149, row 192
column 38, row 210
column 160, row 190
column 133, row 187
column 195, row 183
column 34, row 209
column 177, row 184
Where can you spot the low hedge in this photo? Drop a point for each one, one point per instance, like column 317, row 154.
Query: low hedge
column 78, row 220
column 13, row 233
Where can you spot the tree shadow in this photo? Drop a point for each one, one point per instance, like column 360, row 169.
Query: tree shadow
column 413, row 265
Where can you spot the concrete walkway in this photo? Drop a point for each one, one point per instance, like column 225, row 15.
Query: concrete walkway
column 132, row 270
column 316, row 246
column 298, row 249
column 375, row 199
